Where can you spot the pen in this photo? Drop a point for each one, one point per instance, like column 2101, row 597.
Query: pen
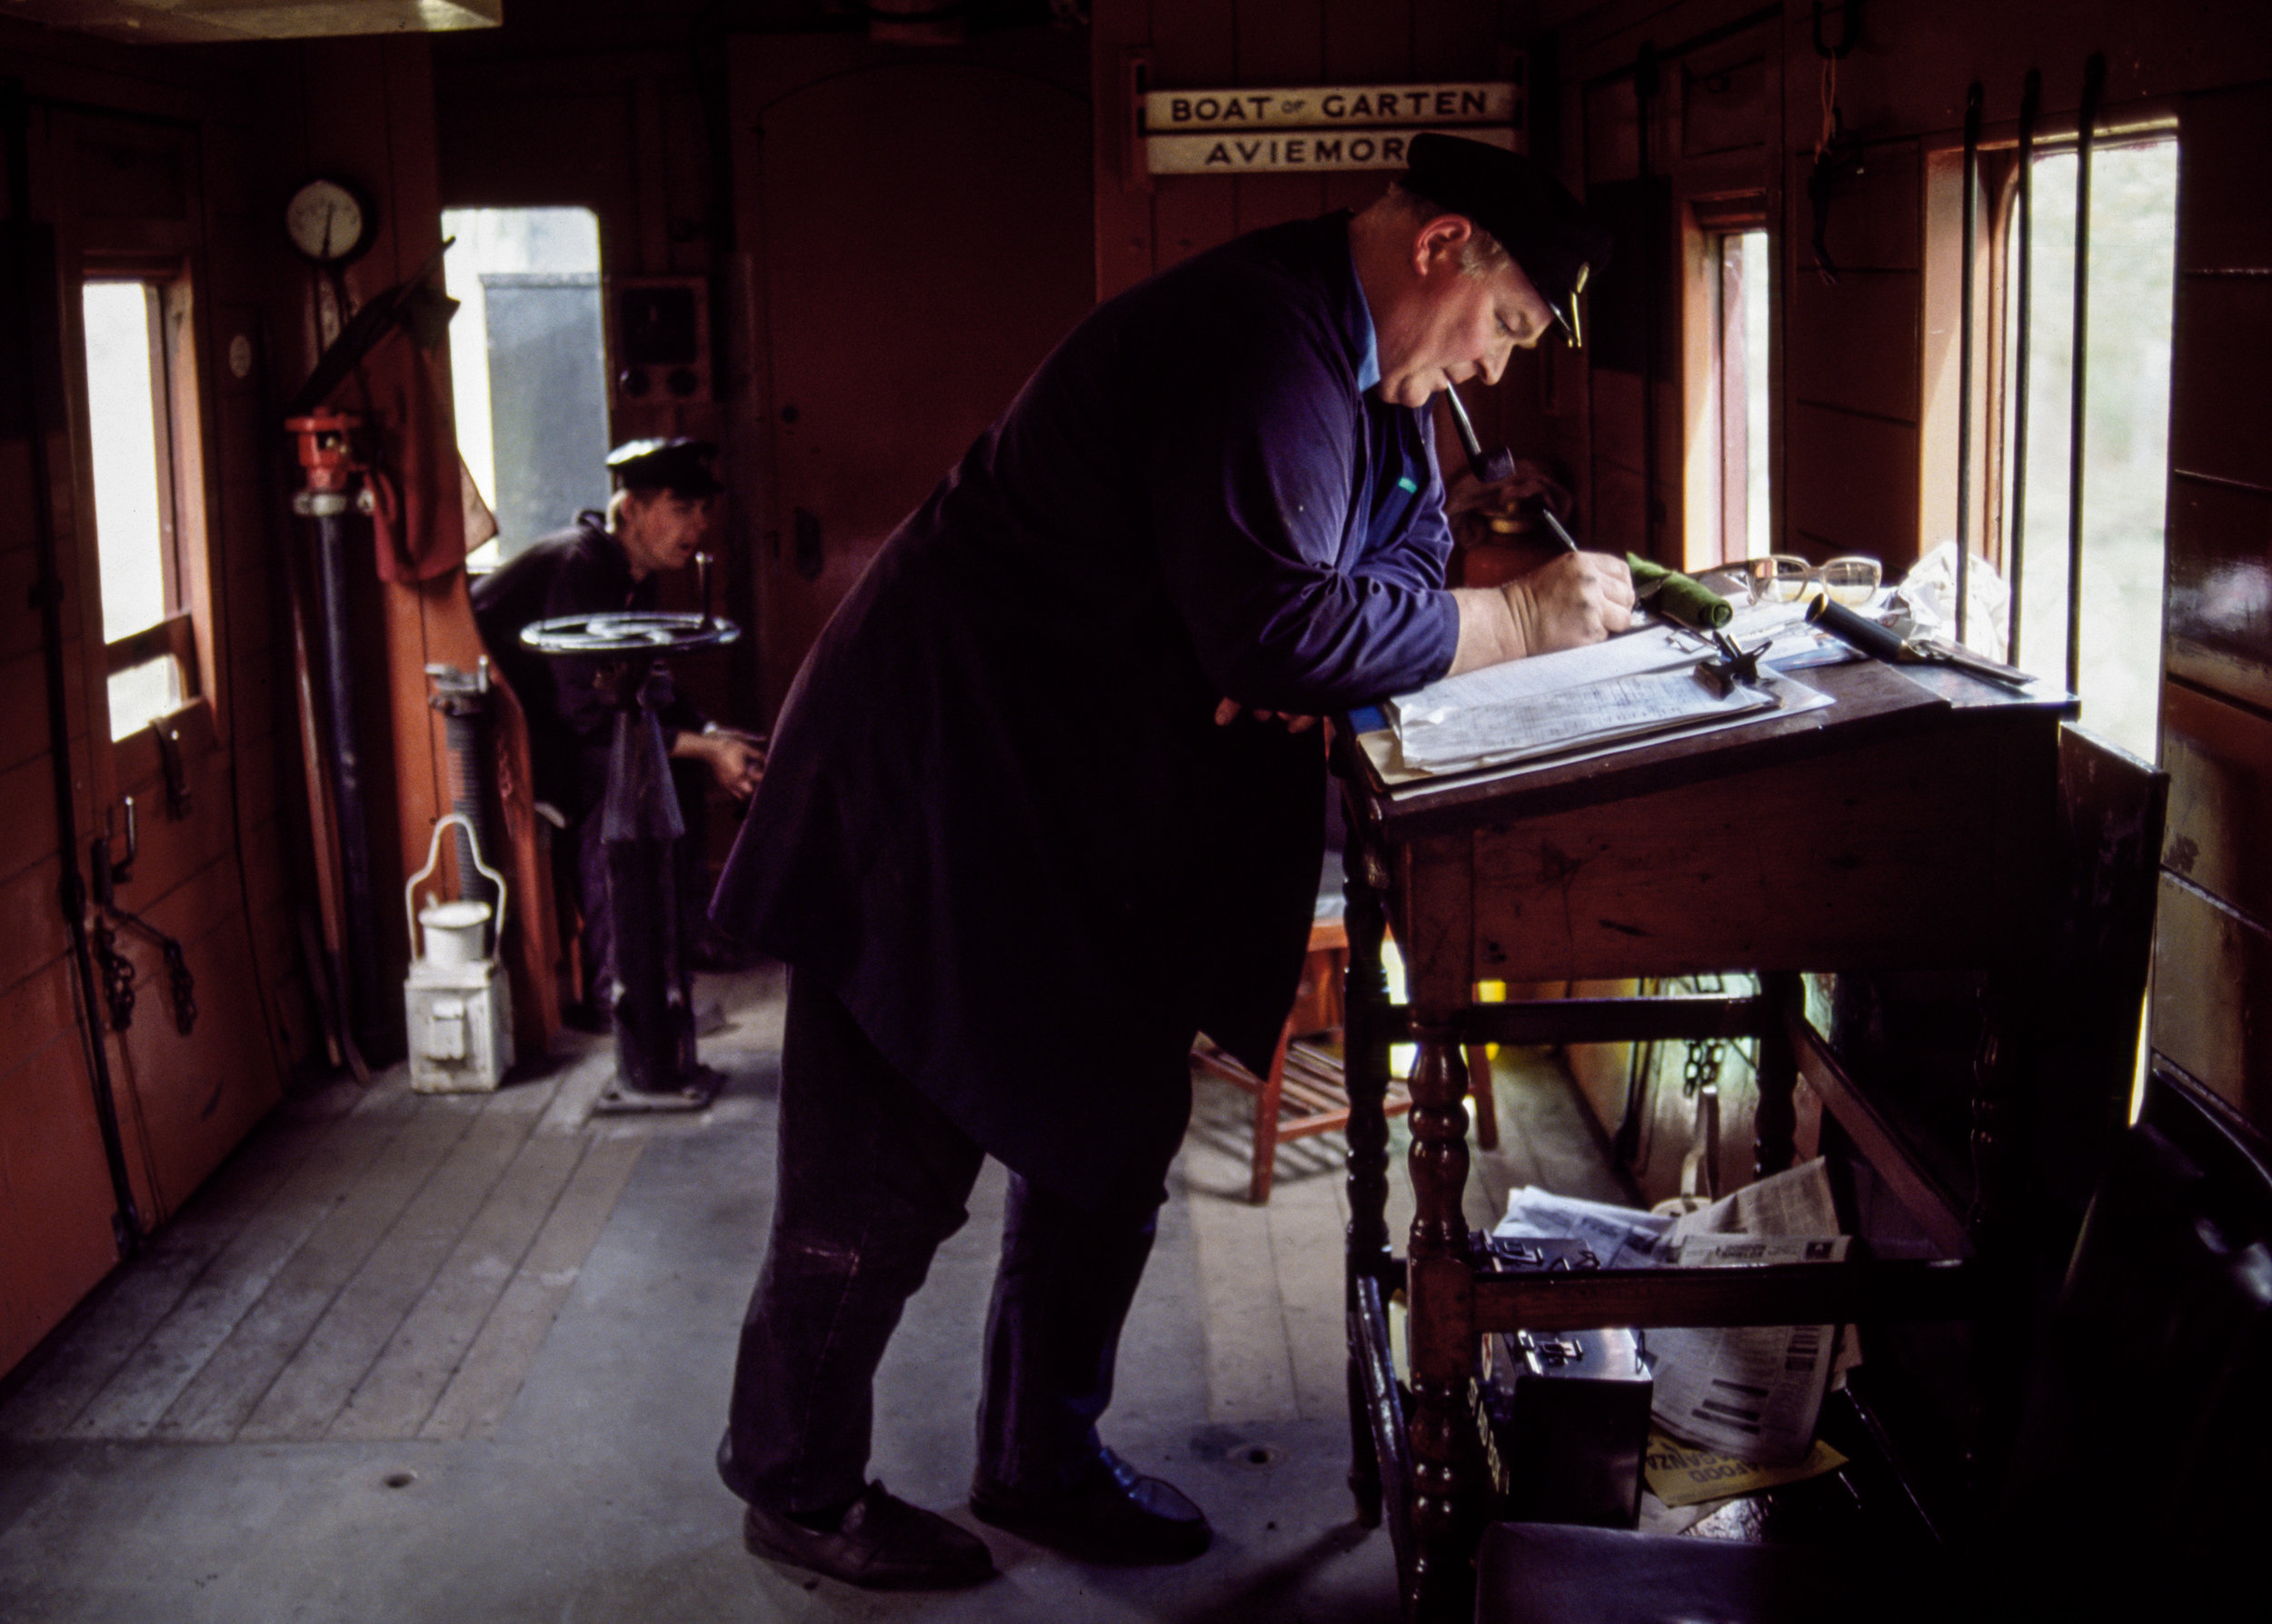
column 1569, row 542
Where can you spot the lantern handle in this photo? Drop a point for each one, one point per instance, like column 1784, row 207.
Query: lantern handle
column 433, row 861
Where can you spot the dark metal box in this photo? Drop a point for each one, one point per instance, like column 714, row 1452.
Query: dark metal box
column 1564, row 1415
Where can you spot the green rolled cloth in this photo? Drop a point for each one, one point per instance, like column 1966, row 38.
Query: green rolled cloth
column 1678, row 597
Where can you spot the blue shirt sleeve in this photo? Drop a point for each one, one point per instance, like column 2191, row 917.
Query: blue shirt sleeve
column 1253, row 469
column 1418, row 552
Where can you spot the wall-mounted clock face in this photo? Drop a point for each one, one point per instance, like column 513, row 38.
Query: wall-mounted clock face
column 330, row 222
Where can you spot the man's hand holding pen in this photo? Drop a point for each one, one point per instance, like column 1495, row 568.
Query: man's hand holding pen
column 1577, row 599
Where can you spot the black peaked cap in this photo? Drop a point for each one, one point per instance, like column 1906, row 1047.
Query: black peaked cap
column 679, row 466
column 1518, row 200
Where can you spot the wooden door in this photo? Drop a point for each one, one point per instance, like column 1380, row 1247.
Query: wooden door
column 188, row 1021
column 922, row 237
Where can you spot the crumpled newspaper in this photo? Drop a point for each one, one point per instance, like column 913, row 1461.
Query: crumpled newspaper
column 1928, row 594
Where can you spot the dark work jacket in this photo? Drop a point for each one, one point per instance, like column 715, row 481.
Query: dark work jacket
column 579, row 571
column 998, row 820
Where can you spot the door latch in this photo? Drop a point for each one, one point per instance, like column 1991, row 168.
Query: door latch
column 109, row 875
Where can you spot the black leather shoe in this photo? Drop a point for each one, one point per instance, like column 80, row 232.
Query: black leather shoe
column 880, row 1543
column 1116, row 1516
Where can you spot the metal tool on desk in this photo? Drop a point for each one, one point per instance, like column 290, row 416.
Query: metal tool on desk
column 1737, row 666
column 1490, row 468
column 1883, row 644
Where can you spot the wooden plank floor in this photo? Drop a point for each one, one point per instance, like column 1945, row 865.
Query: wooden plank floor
column 376, row 1264
column 1269, row 1276
column 387, row 1265
column 464, row 1357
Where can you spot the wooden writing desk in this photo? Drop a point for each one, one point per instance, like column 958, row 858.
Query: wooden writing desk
column 1908, row 825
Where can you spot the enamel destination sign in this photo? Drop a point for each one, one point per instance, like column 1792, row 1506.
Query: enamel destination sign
column 1350, row 127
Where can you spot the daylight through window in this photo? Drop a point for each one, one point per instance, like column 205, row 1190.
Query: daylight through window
column 2125, row 433
column 528, row 366
column 146, row 624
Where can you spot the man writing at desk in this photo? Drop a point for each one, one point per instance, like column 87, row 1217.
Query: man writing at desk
column 1019, row 843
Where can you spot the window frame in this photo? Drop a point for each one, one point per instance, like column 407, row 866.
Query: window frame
column 178, row 422
column 1718, row 418
column 1994, row 347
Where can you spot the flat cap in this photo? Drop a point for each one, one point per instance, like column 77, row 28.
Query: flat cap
column 679, row 466
column 1519, row 201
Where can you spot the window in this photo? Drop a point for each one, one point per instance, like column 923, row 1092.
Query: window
column 1726, row 322
column 2132, row 268
column 140, row 414
column 1743, row 321
column 528, row 366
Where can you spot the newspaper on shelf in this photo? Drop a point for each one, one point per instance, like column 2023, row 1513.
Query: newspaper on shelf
column 1752, row 1391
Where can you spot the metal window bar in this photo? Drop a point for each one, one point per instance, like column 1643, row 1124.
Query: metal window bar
column 1972, row 97
column 2094, row 83
column 2023, row 227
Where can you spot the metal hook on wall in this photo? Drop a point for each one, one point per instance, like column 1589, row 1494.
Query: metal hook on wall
column 1850, row 31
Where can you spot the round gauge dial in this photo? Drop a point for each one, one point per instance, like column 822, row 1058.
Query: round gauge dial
column 329, row 222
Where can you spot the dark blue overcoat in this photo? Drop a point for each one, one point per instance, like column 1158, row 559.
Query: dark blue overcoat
column 998, row 820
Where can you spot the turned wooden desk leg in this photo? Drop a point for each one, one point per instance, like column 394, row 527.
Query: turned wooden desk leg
column 1442, row 1322
column 1775, row 1128
column 1365, row 1070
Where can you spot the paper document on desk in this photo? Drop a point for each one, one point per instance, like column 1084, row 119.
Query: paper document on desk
column 1641, row 684
column 1752, row 1391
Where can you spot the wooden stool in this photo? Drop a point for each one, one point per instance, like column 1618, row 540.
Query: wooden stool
column 1304, row 1093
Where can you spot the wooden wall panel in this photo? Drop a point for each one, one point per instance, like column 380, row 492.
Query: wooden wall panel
column 54, row 1187
column 1612, row 133
column 1855, row 344
column 1451, row 39
column 1192, row 45
column 1279, row 42
column 1617, row 524
column 187, row 1099
column 2219, row 761
column 1916, row 57
column 1366, row 42
column 2223, row 181
column 24, row 718
column 1853, row 484
column 2217, row 416
column 2218, row 609
column 19, row 568
column 1877, row 215
column 1724, row 92
column 2212, row 987
column 1617, row 420
column 1120, row 37
column 510, row 137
